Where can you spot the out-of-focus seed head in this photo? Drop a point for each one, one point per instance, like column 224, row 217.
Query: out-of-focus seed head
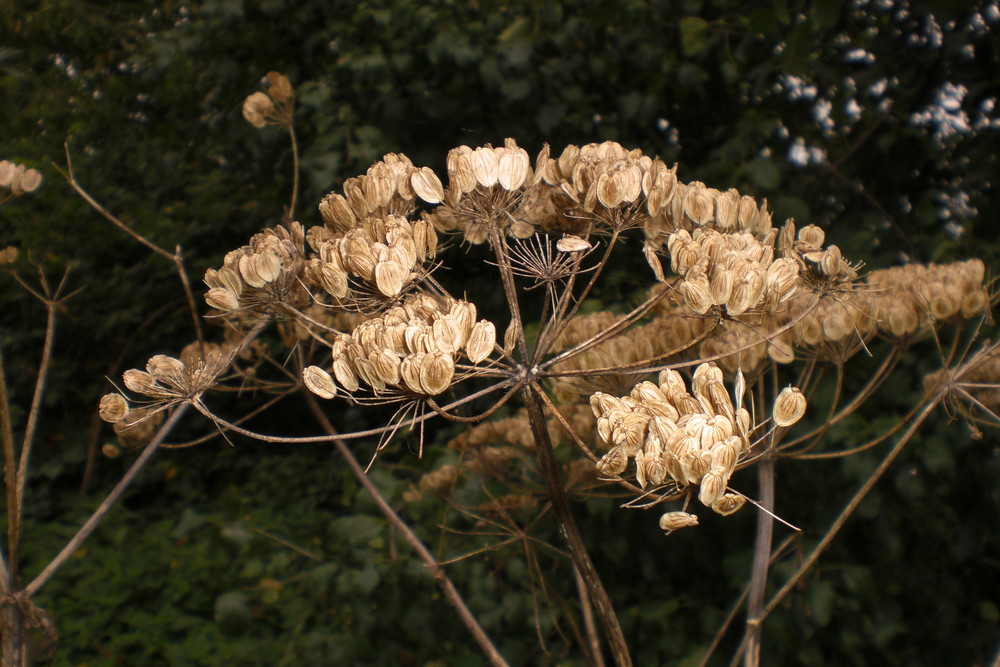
column 256, row 108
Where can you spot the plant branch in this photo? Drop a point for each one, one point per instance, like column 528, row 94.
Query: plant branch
column 549, row 469
column 437, row 572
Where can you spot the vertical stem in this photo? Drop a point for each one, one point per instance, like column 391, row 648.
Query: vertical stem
column 10, row 479
column 761, row 558
column 587, row 611
column 13, row 653
column 560, row 505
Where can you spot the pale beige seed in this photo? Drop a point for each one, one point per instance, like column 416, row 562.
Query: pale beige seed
column 695, row 464
column 609, row 190
column 782, row 352
column 30, row 180
column 726, row 454
column 427, row 185
column 409, row 371
column 655, row 469
column 113, row 408
column 510, row 338
column 345, row 374
column 167, row 369
column 697, row 294
column 640, row 468
column 386, row 365
column 366, row 372
column 447, row 334
column 481, row 341
column 7, row 171
column 142, row 383
column 672, row 521
column 513, row 167
column 279, row 86
column 222, row 299
column 699, row 205
column 319, row 382
column 713, row 485
column 436, row 372
column 461, row 174
column 336, row 213
column 613, row 463
column 974, row 303
column 812, row 235
column 728, row 504
column 570, row 243
column 248, row 272
column 333, row 280
column 789, row 406
column 267, row 266
column 485, row 166
column 230, row 279
column 110, row 450
column 390, row 277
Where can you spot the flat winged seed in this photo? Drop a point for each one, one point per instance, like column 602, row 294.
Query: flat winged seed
column 336, row 213
column 481, row 341
column 613, row 463
column 789, row 406
column 728, row 504
column 267, row 265
column 319, row 382
column 512, row 169
column 248, row 271
column 485, row 166
column 427, row 185
column 447, row 334
column 713, row 485
column 436, row 372
column 570, row 243
column 409, row 371
column 672, row 521
column 345, row 374
column 113, row 408
column 390, row 277
column 510, row 338
column 222, row 299
column 386, row 364
column 142, row 383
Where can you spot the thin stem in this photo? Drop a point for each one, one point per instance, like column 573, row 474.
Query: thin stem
column 845, row 514
column 437, row 572
column 10, row 478
column 102, row 509
column 761, row 557
column 549, row 468
column 295, row 171
column 587, row 611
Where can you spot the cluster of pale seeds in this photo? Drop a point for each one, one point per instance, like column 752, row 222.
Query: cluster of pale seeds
column 412, row 348
column 678, row 438
column 732, row 270
column 275, row 107
column 16, row 179
column 261, row 276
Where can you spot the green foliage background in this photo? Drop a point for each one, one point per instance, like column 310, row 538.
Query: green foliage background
column 184, row 572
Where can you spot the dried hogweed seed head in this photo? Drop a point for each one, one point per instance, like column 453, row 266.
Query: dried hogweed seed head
column 113, row 408
column 279, row 86
column 789, row 406
column 319, row 382
column 672, row 521
column 481, row 341
column 256, row 109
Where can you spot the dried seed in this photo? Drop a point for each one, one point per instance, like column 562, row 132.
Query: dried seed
column 672, row 521
column 113, row 408
column 481, row 341
column 789, row 406
column 613, row 463
column 728, row 504
column 319, row 382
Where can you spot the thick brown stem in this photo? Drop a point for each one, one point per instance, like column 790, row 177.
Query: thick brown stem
column 560, row 504
column 13, row 653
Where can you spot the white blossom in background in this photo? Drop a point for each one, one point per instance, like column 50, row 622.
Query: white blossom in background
column 802, row 155
column 945, row 115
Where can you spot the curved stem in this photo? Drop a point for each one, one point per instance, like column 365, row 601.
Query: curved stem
column 761, row 558
column 295, row 171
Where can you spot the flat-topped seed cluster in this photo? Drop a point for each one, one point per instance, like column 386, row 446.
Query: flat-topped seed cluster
column 412, row 348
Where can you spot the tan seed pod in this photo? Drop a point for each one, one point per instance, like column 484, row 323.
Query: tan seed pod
column 695, row 463
column 604, row 430
column 336, row 213
column 427, row 185
column 333, row 280
column 30, row 180
column 713, row 485
column 8, row 255
column 727, row 210
column 447, row 334
column 699, row 205
column 110, row 450
column 789, row 406
column 944, row 305
column 485, row 166
column 728, row 504
column 386, row 365
column 481, row 341
column 640, row 468
column 671, row 382
column 726, row 454
column 974, row 303
column 167, row 369
column 781, row 352
column 510, row 338
column 409, row 371
column 222, row 299
column 369, row 375
column 697, row 294
column 390, row 277
column 609, row 190
column 647, row 391
column 655, row 469
column 319, row 382
column 613, row 463
column 513, row 167
column 113, row 408
column 813, row 235
column 672, row 521
column 570, row 243
column 436, row 372
column 7, row 172
column 267, row 266
column 704, row 375
column 345, row 374
column 248, row 272
column 142, row 383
